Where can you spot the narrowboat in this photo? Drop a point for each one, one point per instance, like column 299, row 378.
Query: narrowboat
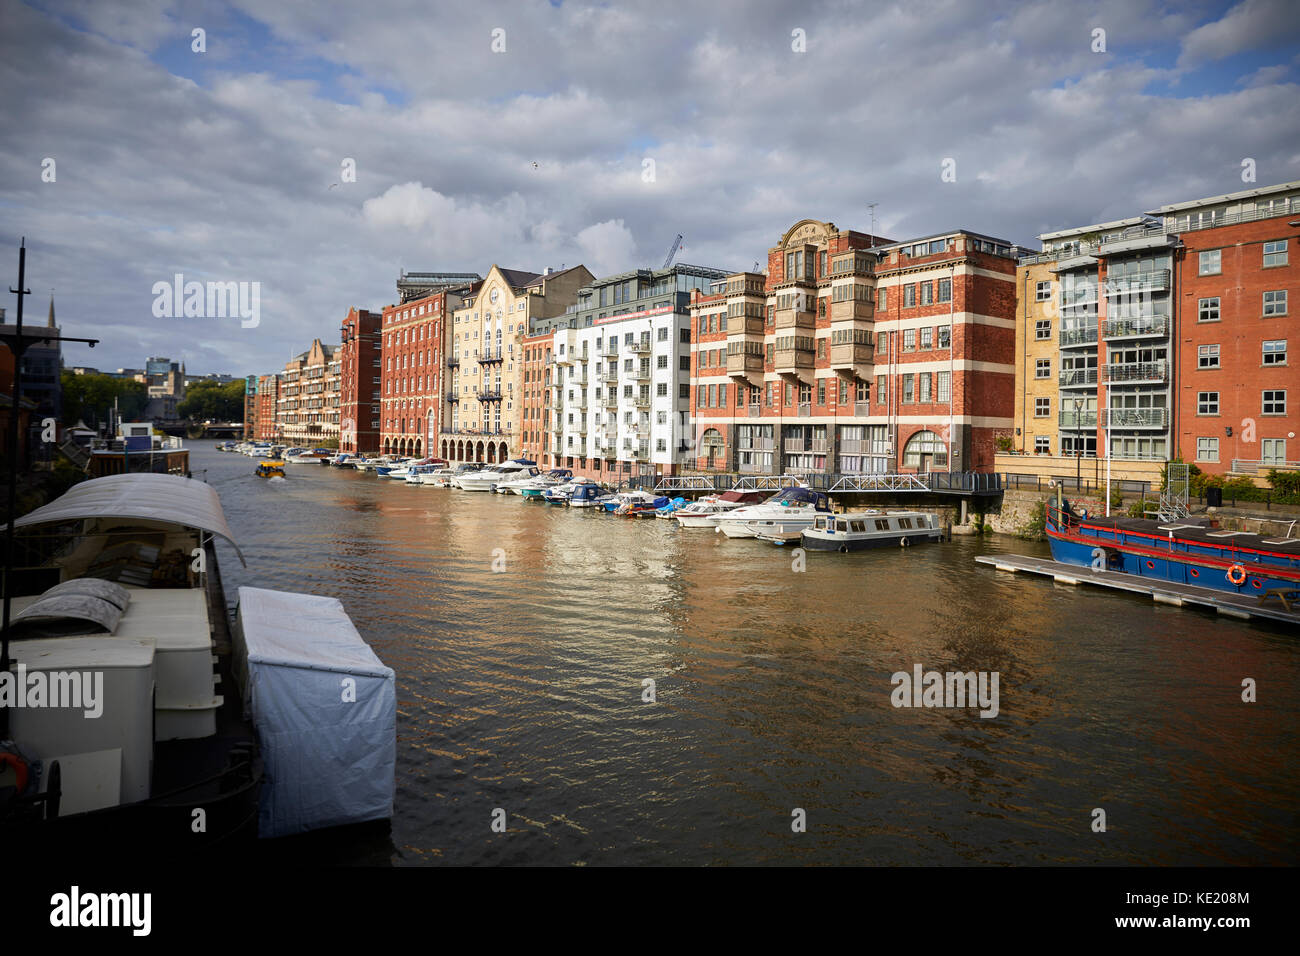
column 1187, row 551
column 861, row 530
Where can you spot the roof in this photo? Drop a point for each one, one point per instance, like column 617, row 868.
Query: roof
column 1096, row 227
column 167, row 498
column 552, row 275
column 1228, row 197
column 518, row 278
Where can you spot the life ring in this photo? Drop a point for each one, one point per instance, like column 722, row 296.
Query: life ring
column 844, row 549
column 903, row 542
column 10, row 759
column 1236, row 575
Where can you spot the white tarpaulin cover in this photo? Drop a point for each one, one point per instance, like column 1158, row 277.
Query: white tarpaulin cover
column 325, row 709
column 149, row 497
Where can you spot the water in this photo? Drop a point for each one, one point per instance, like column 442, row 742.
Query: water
column 522, row 691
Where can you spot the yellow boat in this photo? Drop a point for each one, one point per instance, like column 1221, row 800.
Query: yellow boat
column 270, row 469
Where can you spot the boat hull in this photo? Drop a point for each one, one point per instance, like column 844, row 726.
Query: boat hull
column 848, row 541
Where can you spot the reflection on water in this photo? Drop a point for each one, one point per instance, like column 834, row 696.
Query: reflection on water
column 522, row 690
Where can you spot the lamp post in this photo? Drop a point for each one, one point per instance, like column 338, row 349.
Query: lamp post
column 1078, row 427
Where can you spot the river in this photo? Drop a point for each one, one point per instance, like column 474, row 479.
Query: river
column 521, row 635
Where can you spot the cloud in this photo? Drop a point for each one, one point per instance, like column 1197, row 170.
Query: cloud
column 607, row 247
column 1250, row 25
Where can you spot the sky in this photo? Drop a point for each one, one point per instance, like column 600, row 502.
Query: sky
column 535, row 134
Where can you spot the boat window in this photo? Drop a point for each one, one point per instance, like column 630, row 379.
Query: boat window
column 858, row 526
column 882, row 524
column 841, row 526
column 905, row 522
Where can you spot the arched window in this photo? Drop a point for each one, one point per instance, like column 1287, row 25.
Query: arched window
column 923, row 450
column 712, row 446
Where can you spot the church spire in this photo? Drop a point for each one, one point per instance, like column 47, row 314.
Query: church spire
column 49, row 322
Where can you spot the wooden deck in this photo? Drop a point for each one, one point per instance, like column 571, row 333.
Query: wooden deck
column 1162, row 592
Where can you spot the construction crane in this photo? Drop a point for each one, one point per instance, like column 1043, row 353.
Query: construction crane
column 677, row 244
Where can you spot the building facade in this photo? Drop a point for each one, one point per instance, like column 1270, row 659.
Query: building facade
column 608, row 382
column 484, row 349
column 267, row 419
column 308, row 406
column 250, row 407
column 360, row 381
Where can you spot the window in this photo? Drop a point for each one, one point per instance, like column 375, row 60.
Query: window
column 943, row 389
column 1210, row 263
column 945, row 336
column 908, row 384
column 909, row 339
column 1275, row 302
column 927, row 337
column 1042, row 407
column 1207, row 449
column 661, row 361
column 1207, row 310
column 1207, row 403
column 1275, row 352
column 945, row 290
column 1042, row 445
column 1274, row 401
column 923, row 388
column 909, row 295
column 1042, row 330
column 1043, row 291
column 1275, row 253
column 923, row 449
column 1207, row 356
column 882, row 300
column 1274, row 451
column 927, row 293
column 1043, row 368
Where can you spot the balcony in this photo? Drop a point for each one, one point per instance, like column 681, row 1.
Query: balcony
column 453, row 361
column 642, row 401
column 1072, row 337
column 491, row 356
column 790, row 319
column 609, row 378
column 804, row 409
column 744, row 364
column 492, row 396
column 1084, row 418
column 1078, row 377
column 743, row 325
column 793, row 361
column 852, row 309
column 609, row 350
column 641, row 347
column 1136, row 328
column 804, row 446
column 861, row 408
column 453, row 397
column 852, row 355
column 755, row 411
column 1155, row 281
column 643, row 453
column 564, row 359
column 1136, row 373
column 1138, row 417
column 643, row 373
column 611, row 399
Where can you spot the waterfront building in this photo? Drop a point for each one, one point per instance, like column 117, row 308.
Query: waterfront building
column 857, row 355
column 484, row 349
column 250, row 407
column 413, row 368
column 360, row 371
column 1236, row 267
column 608, row 381
column 534, row 383
column 1164, row 335
column 308, row 406
column 267, row 425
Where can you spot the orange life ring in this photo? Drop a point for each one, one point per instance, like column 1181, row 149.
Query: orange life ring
column 9, row 759
column 1236, row 575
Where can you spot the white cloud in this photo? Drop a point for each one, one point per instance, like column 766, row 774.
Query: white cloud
column 607, row 247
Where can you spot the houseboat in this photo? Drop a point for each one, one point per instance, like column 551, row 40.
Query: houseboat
column 1186, row 551
column 861, row 530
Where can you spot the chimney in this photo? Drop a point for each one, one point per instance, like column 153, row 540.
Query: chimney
column 547, row 271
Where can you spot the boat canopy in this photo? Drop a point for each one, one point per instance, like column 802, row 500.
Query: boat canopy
column 797, row 495
column 170, row 499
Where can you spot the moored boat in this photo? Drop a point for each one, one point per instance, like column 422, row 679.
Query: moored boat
column 861, row 530
column 791, row 509
column 704, row 513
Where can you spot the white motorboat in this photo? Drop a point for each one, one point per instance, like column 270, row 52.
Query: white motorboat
column 437, row 477
column 536, row 487
column 704, row 512
column 791, row 509
column 489, row 478
column 512, row 485
column 858, row 531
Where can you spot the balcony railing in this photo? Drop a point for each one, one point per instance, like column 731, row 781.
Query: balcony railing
column 453, row 396
column 1248, row 466
column 861, row 408
column 1084, row 418
column 755, row 411
column 1138, row 417
column 609, row 378
column 491, row 356
column 453, row 361
column 1155, row 281
column 640, row 347
column 803, row 446
column 1135, row 372
column 1087, row 336
column 1284, row 208
column 642, row 401
column 611, row 398
column 1078, row 377
column 804, row 409
column 492, row 396
column 1135, row 328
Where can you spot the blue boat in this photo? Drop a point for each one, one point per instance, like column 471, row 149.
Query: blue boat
column 1191, row 551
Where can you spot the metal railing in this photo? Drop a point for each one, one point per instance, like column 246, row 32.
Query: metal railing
column 1124, row 328
column 1138, row 417
column 1285, row 208
column 1156, row 280
column 1069, row 337
column 1135, row 372
column 1080, row 419
column 1076, row 377
column 1249, row 466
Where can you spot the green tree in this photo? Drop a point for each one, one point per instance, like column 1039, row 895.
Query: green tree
column 90, row 397
column 211, row 401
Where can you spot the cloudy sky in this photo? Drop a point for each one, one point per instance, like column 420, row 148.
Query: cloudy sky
column 532, row 134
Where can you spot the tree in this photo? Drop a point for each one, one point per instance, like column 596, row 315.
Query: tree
column 90, row 397
column 209, row 401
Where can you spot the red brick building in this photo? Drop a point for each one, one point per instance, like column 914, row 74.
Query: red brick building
column 360, row 370
column 266, row 424
column 536, row 411
column 855, row 355
column 414, row 376
column 1236, row 393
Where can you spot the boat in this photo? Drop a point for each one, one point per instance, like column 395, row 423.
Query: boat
column 861, row 530
column 1193, row 551
column 561, row 493
column 488, row 478
column 386, row 469
column 704, row 512
column 512, row 485
column 270, row 469
column 317, row 456
column 589, row 495
column 436, row 477
column 404, row 469
column 415, row 473
column 640, row 504
column 460, row 470
column 791, row 509
column 669, row 510
column 532, row 490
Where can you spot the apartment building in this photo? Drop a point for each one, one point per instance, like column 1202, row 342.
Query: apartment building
column 308, row 406
column 413, row 371
column 484, row 349
column 857, row 355
column 607, row 385
column 267, row 423
column 360, row 386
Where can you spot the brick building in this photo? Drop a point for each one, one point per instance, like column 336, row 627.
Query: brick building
column 308, row 406
column 857, row 355
column 360, row 370
column 267, row 422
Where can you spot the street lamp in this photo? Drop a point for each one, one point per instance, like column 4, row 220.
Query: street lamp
column 1078, row 428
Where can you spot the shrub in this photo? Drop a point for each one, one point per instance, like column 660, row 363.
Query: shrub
column 1284, row 482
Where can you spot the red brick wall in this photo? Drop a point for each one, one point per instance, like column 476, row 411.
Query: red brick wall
column 357, row 372
column 414, row 344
